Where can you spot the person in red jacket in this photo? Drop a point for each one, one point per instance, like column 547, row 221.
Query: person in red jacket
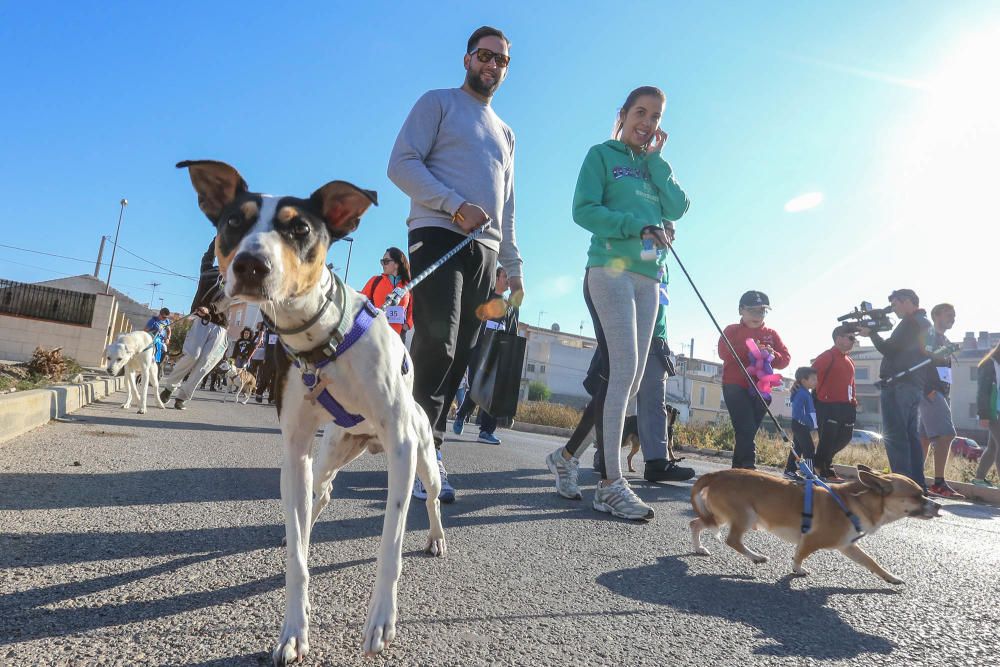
column 746, row 409
column 836, row 400
column 395, row 273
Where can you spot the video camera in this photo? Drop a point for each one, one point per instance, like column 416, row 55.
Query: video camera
column 876, row 319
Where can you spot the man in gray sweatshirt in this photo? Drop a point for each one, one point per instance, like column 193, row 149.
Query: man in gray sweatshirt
column 454, row 157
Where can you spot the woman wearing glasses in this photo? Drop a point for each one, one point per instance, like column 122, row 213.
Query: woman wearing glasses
column 395, row 273
column 624, row 192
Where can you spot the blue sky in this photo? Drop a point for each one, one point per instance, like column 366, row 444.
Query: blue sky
column 890, row 111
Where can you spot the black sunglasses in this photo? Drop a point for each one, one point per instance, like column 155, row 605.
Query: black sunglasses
column 386, row 261
column 485, row 55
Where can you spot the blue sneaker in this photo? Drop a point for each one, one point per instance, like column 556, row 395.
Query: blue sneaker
column 488, row 438
column 447, row 494
column 458, row 426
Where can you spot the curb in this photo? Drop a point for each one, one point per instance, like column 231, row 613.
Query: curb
column 539, row 429
column 24, row 411
column 970, row 491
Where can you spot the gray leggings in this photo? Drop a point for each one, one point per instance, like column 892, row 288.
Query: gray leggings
column 623, row 306
column 991, row 457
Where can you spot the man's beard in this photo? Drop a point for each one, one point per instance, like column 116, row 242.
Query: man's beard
column 478, row 86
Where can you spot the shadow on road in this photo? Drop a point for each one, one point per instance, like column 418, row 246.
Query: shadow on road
column 797, row 622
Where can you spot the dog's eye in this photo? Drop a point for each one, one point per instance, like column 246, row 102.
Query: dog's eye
column 234, row 220
column 300, row 228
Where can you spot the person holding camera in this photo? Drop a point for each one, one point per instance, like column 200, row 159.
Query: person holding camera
column 904, row 349
column 836, row 400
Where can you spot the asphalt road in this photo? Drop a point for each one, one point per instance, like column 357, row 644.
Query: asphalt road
column 154, row 539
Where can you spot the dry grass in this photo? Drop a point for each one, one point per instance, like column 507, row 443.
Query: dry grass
column 547, row 414
column 772, row 451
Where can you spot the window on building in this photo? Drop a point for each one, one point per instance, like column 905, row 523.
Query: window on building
column 530, row 368
column 541, row 368
column 861, row 373
column 701, row 396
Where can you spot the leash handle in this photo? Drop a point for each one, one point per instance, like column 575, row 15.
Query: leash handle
column 732, row 350
column 396, row 295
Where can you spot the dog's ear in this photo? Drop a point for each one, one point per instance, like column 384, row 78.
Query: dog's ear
column 342, row 205
column 876, row 483
column 862, row 467
column 216, row 183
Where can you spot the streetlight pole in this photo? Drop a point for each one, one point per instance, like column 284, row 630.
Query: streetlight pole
column 349, row 249
column 121, row 214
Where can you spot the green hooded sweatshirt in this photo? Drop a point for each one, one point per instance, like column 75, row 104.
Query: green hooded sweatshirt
column 618, row 193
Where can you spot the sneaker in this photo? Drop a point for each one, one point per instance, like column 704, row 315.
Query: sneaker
column 983, row 483
column 620, row 500
column 794, row 476
column 419, row 492
column 179, row 405
column 488, row 438
column 447, row 494
column 831, row 477
column 944, row 491
column 662, row 470
column 458, row 426
column 165, row 395
column 259, row 399
column 567, row 473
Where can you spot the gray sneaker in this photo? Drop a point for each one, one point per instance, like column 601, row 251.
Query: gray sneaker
column 620, row 500
column 566, row 472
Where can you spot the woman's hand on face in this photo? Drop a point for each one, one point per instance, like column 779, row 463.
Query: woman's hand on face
column 657, row 142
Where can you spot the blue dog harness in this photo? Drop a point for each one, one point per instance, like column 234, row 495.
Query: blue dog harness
column 807, row 509
column 345, row 334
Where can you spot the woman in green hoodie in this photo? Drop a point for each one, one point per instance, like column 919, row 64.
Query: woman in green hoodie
column 624, row 192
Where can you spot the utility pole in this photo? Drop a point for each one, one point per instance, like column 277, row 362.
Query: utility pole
column 349, row 249
column 153, row 295
column 691, row 349
column 100, row 254
column 114, row 250
column 540, row 313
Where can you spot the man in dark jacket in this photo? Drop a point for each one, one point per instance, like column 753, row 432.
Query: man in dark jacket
column 900, row 399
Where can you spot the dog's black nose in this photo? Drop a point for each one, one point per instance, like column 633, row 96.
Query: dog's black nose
column 251, row 268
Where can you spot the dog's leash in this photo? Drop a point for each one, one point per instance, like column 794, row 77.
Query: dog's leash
column 807, row 472
column 396, row 295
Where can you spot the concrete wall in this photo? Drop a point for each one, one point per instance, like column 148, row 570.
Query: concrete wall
column 19, row 336
column 23, row 411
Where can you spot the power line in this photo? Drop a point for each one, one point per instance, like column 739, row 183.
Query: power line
column 73, row 275
column 88, row 261
column 174, row 273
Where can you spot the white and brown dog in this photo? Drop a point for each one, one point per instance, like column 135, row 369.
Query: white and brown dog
column 272, row 251
column 135, row 352
column 241, row 380
column 749, row 499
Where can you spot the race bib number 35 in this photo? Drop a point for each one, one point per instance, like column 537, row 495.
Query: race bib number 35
column 395, row 315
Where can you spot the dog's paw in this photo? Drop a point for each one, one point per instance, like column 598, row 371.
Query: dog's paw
column 436, row 547
column 380, row 627
column 702, row 551
column 892, row 579
column 758, row 559
column 292, row 648
column 800, row 571
column 141, row 411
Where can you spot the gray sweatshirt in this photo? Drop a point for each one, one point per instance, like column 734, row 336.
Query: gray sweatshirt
column 452, row 149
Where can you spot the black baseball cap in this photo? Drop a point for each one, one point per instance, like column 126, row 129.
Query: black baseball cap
column 905, row 294
column 753, row 298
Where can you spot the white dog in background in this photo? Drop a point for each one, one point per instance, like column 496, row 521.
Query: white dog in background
column 135, row 353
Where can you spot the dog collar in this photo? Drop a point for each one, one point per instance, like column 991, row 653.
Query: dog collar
column 327, row 300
